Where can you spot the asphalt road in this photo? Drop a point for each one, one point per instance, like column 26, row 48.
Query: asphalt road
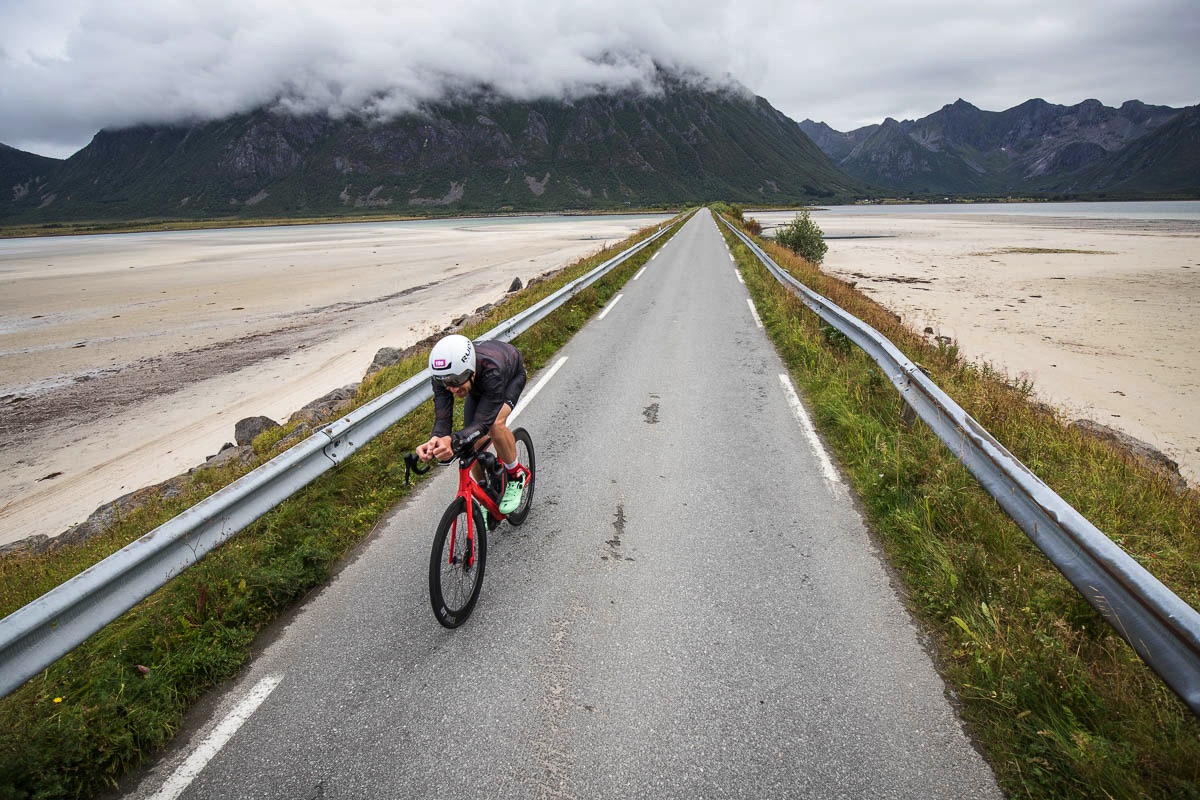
column 692, row 609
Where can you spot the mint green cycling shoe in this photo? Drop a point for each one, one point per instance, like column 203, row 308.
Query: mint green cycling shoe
column 512, row 495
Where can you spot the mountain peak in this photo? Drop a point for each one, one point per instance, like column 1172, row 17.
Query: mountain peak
column 1033, row 148
column 683, row 145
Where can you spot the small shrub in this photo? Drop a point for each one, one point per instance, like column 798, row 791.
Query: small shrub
column 803, row 237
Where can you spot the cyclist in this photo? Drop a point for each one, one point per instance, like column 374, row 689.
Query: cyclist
column 489, row 377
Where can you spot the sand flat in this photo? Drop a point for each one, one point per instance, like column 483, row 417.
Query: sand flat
column 128, row 359
column 1099, row 313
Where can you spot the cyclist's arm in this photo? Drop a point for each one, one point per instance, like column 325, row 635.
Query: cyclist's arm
column 438, row 445
column 443, row 410
column 491, row 399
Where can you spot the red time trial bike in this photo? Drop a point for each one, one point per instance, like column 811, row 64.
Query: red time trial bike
column 459, row 553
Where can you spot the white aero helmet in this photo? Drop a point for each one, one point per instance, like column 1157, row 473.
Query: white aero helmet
column 452, row 360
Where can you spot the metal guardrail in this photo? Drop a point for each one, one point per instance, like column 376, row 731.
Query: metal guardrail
column 35, row 636
column 1160, row 626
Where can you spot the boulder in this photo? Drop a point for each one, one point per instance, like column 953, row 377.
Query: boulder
column 1147, row 454
column 326, row 407
column 108, row 514
column 248, row 429
column 386, row 357
column 231, row 454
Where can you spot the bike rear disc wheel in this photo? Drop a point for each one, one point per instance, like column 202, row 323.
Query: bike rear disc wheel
column 525, row 456
column 454, row 583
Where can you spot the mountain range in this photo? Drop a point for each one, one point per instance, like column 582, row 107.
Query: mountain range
column 682, row 145
column 485, row 154
column 1036, row 148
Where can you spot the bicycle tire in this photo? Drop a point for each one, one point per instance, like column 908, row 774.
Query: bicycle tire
column 453, row 590
column 525, row 455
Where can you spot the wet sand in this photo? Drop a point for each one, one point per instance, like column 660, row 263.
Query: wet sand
column 1100, row 314
column 128, row 359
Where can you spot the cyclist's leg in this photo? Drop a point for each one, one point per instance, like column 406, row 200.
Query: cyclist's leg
column 506, row 445
column 469, row 417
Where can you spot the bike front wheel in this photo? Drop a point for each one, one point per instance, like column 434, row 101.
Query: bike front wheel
column 455, row 572
column 525, row 456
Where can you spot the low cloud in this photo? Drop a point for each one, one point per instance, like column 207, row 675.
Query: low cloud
column 120, row 63
column 72, row 67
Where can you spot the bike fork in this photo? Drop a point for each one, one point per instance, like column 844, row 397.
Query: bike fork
column 469, row 559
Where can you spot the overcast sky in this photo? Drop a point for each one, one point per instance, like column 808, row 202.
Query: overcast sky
column 71, row 67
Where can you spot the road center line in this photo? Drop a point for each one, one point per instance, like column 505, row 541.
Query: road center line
column 827, row 469
column 537, row 387
column 220, row 735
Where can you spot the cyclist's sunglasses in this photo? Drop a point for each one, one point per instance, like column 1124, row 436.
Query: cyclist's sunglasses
column 453, row 383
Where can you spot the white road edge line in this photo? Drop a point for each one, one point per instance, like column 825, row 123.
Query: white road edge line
column 656, row 252
column 754, row 312
column 639, row 273
column 220, row 735
column 810, row 433
column 741, row 280
column 609, row 307
column 537, row 387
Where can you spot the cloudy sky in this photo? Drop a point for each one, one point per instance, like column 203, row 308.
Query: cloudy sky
column 71, row 67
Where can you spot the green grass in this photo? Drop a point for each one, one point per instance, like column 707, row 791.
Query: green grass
column 75, row 729
column 1060, row 706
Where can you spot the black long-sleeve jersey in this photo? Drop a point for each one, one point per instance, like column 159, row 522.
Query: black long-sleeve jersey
column 499, row 379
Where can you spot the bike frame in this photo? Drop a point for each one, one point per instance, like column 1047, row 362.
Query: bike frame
column 470, row 491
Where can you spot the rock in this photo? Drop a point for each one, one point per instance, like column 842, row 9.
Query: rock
column 307, row 416
column 1140, row 451
column 231, row 455
column 928, row 330
column 386, row 357
column 301, row 432
column 246, row 430
column 515, row 286
column 109, row 514
column 38, row 543
column 326, row 407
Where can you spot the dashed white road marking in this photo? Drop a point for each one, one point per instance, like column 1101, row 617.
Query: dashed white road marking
column 537, row 387
column 220, row 735
column 754, row 312
column 827, row 469
column 609, row 307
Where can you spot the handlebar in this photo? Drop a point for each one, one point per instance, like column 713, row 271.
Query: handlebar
column 465, row 448
column 412, row 463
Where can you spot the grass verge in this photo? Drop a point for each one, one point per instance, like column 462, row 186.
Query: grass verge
column 75, row 729
column 1060, row 706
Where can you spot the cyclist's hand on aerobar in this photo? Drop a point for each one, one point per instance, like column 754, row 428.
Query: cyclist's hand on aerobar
column 438, row 447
